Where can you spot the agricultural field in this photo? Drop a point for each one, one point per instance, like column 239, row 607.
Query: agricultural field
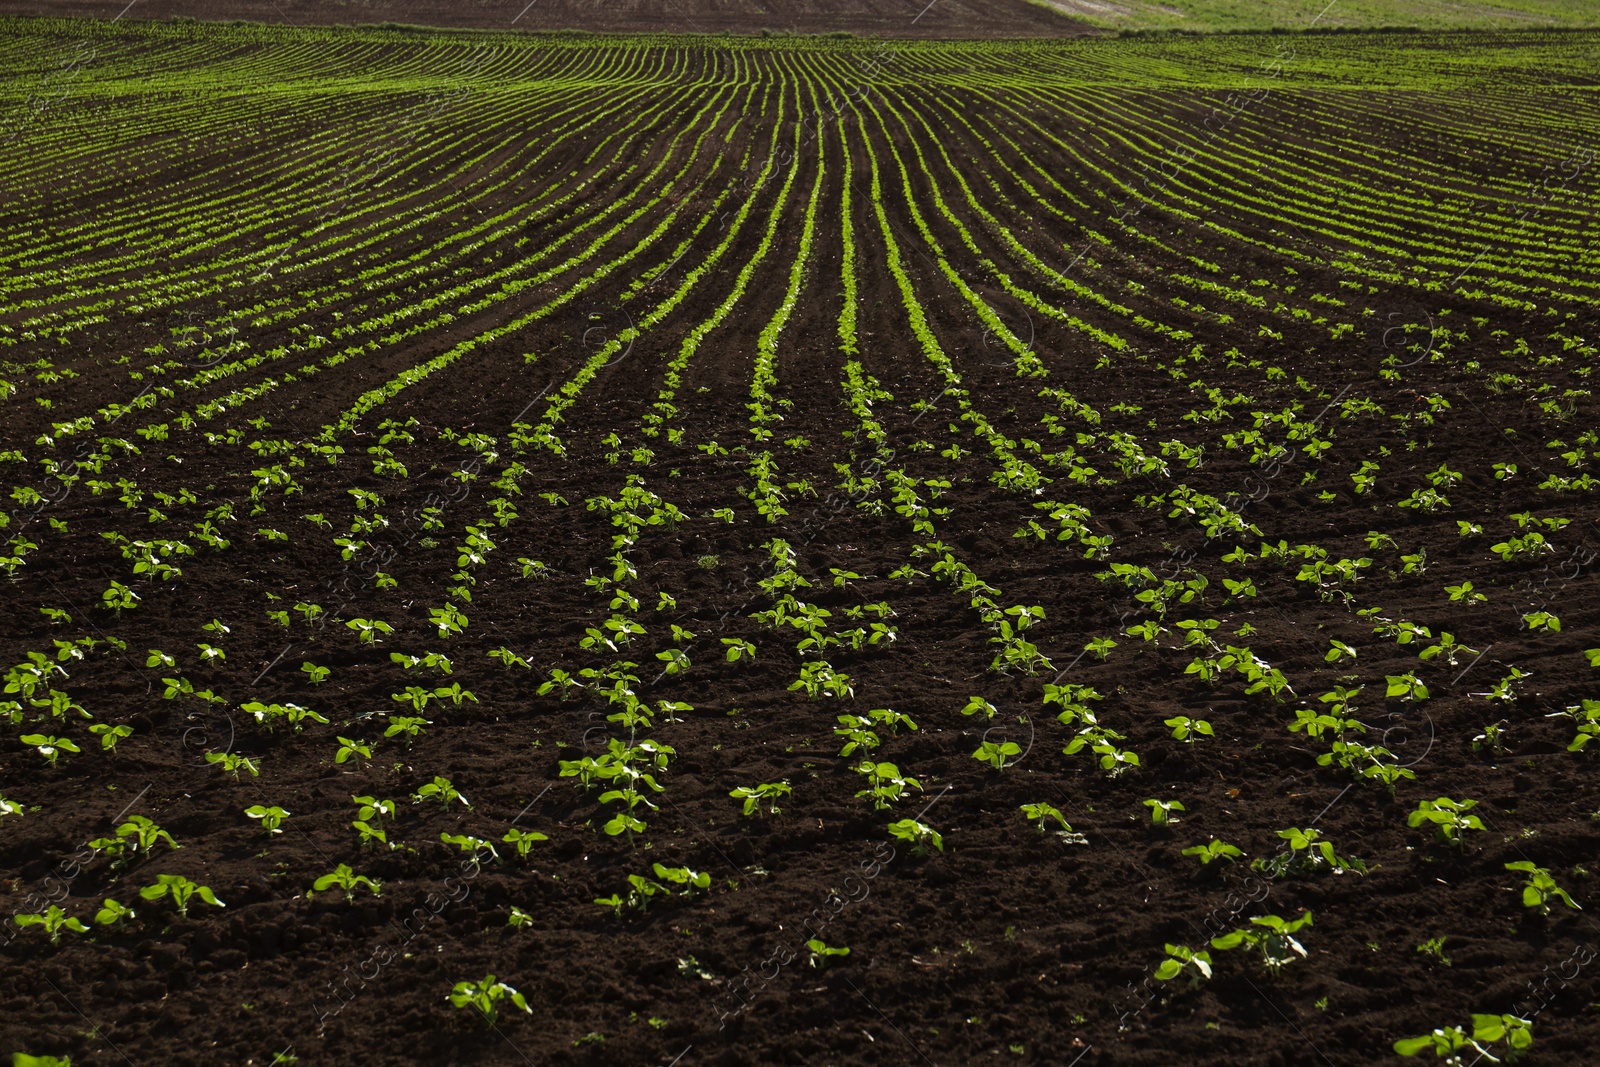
column 534, row 549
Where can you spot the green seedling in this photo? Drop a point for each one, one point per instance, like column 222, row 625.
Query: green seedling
column 314, row 674
column 519, row 918
column 980, row 706
column 918, row 835
column 181, row 890
column 509, row 658
column 350, row 748
column 1161, row 811
column 472, row 845
column 347, row 880
column 439, row 789
column 997, row 754
column 523, row 840
column 144, row 833
column 233, row 763
column 767, row 791
column 885, row 783
column 640, row 890
column 1307, row 853
column 1182, row 960
column 271, row 818
column 1539, row 889
column 50, row 747
column 1213, row 850
column 110, row 736
column 409, row 727
column 821, row 956
column 486, row 997
column 1189, row 730
column 22, row 1059
column 1449, row 819
column 1272, row 936
column 690, row 880
column 1452, row 1045
column 367, row 630
column 1406, row 687
column 54, row 921
column 1042, row 812
column 113, row 913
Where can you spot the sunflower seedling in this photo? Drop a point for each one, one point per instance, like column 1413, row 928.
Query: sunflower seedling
column 1161, row 811
column 409, row 727
column 821, row 956
column 50, row 747
column 1449, row 819
column 523, row 840
column 918, row 835
column 110, row 736
column 1539, row 889
column 1213, row 850
column 181, row 890
column 1272, row 936
column 441, row 790
column 997, row 754
column 271, row 818
column 1452, row 1045
column 682, row 876
column 1189, row 730
column 233, row 763
column 349, row 748
column 347, row 880
column 113, row 913
column 1182, row 960
column 475, row 846
column 486, row 996
column 753, row 795
column 54, row 920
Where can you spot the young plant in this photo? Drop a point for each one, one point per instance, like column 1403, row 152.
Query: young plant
column 314, row 674
column 918, row 835
column 997, row 753
column 441, row 790
column 821, row 956
column 349, row 748
column 474, row 846
column 739, row 649
column 1182, row 960
column 1449, row 819
column 181, row 890
column 980, row 706
column 1539, row 889
column 486, row 996
column 110, row 736
column 271, row 818
column 113, row 913
column 754, row 795
column 523, row 840
column 1452, row 1045
column 54, row 920
column 1161, row 811
column 50, row 747
column 347, row 880
column 1272, row 936
column 1189, row 730
column 690, row 880
column 409, row 727
column 233, row 763
column 1213, row 850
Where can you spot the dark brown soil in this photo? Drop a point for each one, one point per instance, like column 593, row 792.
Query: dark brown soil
column 1010, row 945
